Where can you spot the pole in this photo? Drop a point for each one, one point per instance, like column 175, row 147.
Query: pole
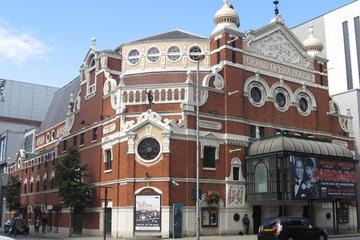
column 105, row 206
column 197, row 152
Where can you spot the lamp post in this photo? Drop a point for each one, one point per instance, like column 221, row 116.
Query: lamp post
column 197, row 56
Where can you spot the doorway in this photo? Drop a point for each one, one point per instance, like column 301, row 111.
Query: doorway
column 256, row 218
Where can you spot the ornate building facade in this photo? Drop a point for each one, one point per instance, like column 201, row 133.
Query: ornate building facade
column 253, row 85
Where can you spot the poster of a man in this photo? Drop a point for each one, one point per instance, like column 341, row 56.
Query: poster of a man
column 305, row 183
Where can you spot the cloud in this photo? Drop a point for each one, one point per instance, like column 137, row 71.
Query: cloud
column 18, row 46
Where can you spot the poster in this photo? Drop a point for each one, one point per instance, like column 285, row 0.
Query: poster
column 147, row 213
column 315, row 178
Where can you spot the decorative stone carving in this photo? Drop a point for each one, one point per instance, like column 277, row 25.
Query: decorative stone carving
column 278, row 47
column 218, row 83
column 235, row 195
column 70, row 116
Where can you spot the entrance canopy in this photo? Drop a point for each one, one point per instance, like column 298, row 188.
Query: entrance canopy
column 294, row 144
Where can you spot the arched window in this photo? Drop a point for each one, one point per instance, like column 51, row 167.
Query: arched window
column 44, row 184
column 25, row 187
column 261, row 178
column 31, row 186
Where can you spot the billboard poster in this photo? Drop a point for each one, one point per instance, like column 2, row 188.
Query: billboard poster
column 147, row 213
column 315, row 178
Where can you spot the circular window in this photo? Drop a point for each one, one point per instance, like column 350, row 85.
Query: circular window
column 153, row 54
column 148, row 149
column 195, row 53
column 236, row 217
column 134, row 56
column 256, row 94
column 173, row 53
column 282, row 99
column 303, row 104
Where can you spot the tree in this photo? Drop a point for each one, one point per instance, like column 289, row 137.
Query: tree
column 69, row 176
column 12, row 193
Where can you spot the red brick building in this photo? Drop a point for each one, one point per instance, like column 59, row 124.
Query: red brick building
column 257, row 84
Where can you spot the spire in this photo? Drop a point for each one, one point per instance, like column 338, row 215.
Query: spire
column 312, row 44
column 226, row 17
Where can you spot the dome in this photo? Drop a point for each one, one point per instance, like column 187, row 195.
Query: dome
column 312, row 44
column 227, row 17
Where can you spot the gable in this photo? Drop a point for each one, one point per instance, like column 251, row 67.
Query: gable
column 277, row 42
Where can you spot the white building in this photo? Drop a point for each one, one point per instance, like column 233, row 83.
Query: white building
column 339, row 31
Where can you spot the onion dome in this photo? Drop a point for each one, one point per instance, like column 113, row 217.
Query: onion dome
column 312, row 44
column 226, row 17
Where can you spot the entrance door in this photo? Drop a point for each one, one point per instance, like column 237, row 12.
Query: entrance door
column 108, row 220
column 256, row 218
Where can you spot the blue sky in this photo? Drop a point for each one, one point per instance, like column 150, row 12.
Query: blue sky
column 45, row 41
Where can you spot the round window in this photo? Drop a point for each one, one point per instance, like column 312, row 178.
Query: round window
column 303, row 104
column 255, row 94
column 280, row 99
column 148, row 149
column 173, row 53
column 153, row 54
column 134, row 56
column 195, row 53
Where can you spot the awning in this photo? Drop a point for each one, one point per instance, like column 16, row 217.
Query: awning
column 283, row 143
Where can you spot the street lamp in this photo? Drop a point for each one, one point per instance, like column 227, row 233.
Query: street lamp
column 197, row 56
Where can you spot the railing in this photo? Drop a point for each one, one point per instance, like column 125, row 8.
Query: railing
column 136, row 96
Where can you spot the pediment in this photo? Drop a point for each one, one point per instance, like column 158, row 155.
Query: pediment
column 276, row 42
column 147, row 118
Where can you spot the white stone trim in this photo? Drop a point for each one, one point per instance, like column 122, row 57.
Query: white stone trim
column 139, row 190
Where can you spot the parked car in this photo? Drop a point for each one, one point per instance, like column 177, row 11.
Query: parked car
column 20, row 226
column 290, row 228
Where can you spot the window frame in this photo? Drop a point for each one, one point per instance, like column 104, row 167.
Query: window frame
column 204, row 160
column 209, row 211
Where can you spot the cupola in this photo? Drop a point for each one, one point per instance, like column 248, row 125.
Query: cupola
column 312, row 44
column 226, row 17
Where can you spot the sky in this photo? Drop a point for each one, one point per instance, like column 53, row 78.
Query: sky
column 45, row 41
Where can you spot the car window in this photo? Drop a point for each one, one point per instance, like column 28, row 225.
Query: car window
column 296, row 222
column 270, row 223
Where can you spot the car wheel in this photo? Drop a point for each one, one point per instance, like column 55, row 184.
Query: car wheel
column 290, row 238
column 321, row 237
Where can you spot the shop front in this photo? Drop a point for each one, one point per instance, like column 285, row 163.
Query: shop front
column 293, row 176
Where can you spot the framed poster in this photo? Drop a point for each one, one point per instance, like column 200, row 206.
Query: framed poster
column 147, row 213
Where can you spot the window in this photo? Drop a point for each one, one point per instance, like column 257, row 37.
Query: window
column 343, row 212
column 31, row 186
column 75, row 141
column 28, row 143
column 357, row 38
column 256, row 94
column 209, row 217
column 94, row 134
column 347, row 55
column 153, row 54
column 256, row 131
column 64, row 145
column 209, row 157
column 25, row 187
column 303, row 104
column 108, row 159
column 261, row 178
column 194, row 53
column 2, row 149
column 82, row 138
column 282, row 99
column 38, row 185
column 173, row 53
column 44, row 184
column 134, row 56
column 236, row 173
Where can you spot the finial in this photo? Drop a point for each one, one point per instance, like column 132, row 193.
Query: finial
column 276, row 7
column 226, row 2
column 93, row 43
column 311, row 29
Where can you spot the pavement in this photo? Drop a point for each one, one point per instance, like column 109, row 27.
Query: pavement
column 54, row 236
